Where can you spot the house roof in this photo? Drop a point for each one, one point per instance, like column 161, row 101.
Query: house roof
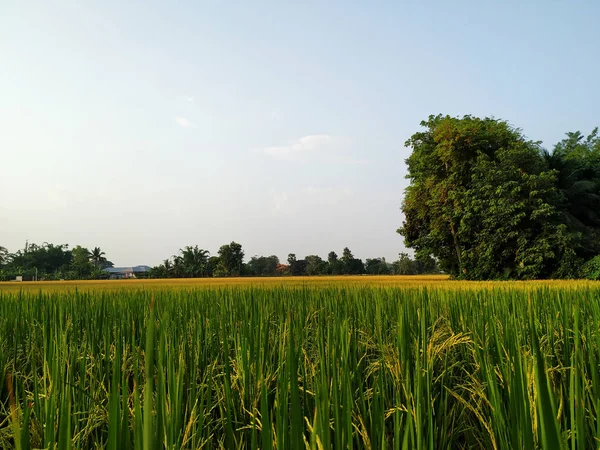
column 132, row 269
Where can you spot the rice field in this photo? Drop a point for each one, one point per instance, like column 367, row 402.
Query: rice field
column 360, row 363
column 399, row 281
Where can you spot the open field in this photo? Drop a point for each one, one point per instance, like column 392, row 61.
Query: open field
column 361, row 362
column 400, row 281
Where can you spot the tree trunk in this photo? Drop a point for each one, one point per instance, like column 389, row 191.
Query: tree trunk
column 456, row 246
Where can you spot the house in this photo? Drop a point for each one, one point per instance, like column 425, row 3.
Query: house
column 116, row 273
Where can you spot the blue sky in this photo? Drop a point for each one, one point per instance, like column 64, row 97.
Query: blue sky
column 142, row 127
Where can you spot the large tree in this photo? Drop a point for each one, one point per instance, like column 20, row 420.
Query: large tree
column 335, row 265
column 263, row 266
column 482, row 200
column 232, row 258
column 350, row 264
column 315, row 265
column 377, row 266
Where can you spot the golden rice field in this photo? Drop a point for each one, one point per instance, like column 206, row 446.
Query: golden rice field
column 300, row 363
column 400, row 281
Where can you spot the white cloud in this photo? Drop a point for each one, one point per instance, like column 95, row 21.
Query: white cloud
column 183, row 122
column 190, row 99
column 319, row 146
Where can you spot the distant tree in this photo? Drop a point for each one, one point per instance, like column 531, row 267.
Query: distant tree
column 178, row 268
column 291, row 259
column 347, row 255
column 356, row 267
column 220, row 270
column 211, row 265
column 377, row 266
column 263, row 266
column 97, row 257
column 193, row 261
column 335, row 265
column 315, row 265
column 297, row 266
column 283, row 269
column 425, row 264
column 168, row 267
column 346, row 260
column 3, row 255
column 81, row 265
column 351, row 265
column 158, row 272
column 332, row 257
column 232, row 258
column 404, row 265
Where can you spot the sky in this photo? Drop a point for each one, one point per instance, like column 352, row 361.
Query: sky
column 142, row 127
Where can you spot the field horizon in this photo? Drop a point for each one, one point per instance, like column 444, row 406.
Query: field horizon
column 401, row 281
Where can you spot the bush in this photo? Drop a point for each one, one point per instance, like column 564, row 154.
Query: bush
column 591, row 269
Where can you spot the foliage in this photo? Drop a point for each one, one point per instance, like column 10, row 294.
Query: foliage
column 192, row 261
column 283, row 269
column 315, row 265
column 232, row 258
column 377, row 266
column 81, row 263
column 55, row 262
column 97, row 256
column 3, row 255
column 591, row 269
column 488, row 204
column 263, row 266
column 405, row 265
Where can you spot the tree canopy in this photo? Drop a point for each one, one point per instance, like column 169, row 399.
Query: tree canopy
column 52, row 262
column 488, row 203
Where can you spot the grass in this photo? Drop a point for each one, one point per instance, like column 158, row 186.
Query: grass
column 364, row 364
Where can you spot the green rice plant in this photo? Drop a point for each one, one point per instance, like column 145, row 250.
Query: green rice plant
column 301, row 367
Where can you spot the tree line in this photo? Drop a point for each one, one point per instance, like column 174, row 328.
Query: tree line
column 58, row 262
column 53, row 262
column 488, row 203
column 194, row 262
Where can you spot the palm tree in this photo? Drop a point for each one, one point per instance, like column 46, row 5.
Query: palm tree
column 178, row 269
column 97, row 256
column 193, row 260
column 3, row 255
column 167, row 267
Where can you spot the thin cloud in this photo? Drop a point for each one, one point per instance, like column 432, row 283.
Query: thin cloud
column 183, row 122
column 323, row 148
column 318, row 145
column 309, row 200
